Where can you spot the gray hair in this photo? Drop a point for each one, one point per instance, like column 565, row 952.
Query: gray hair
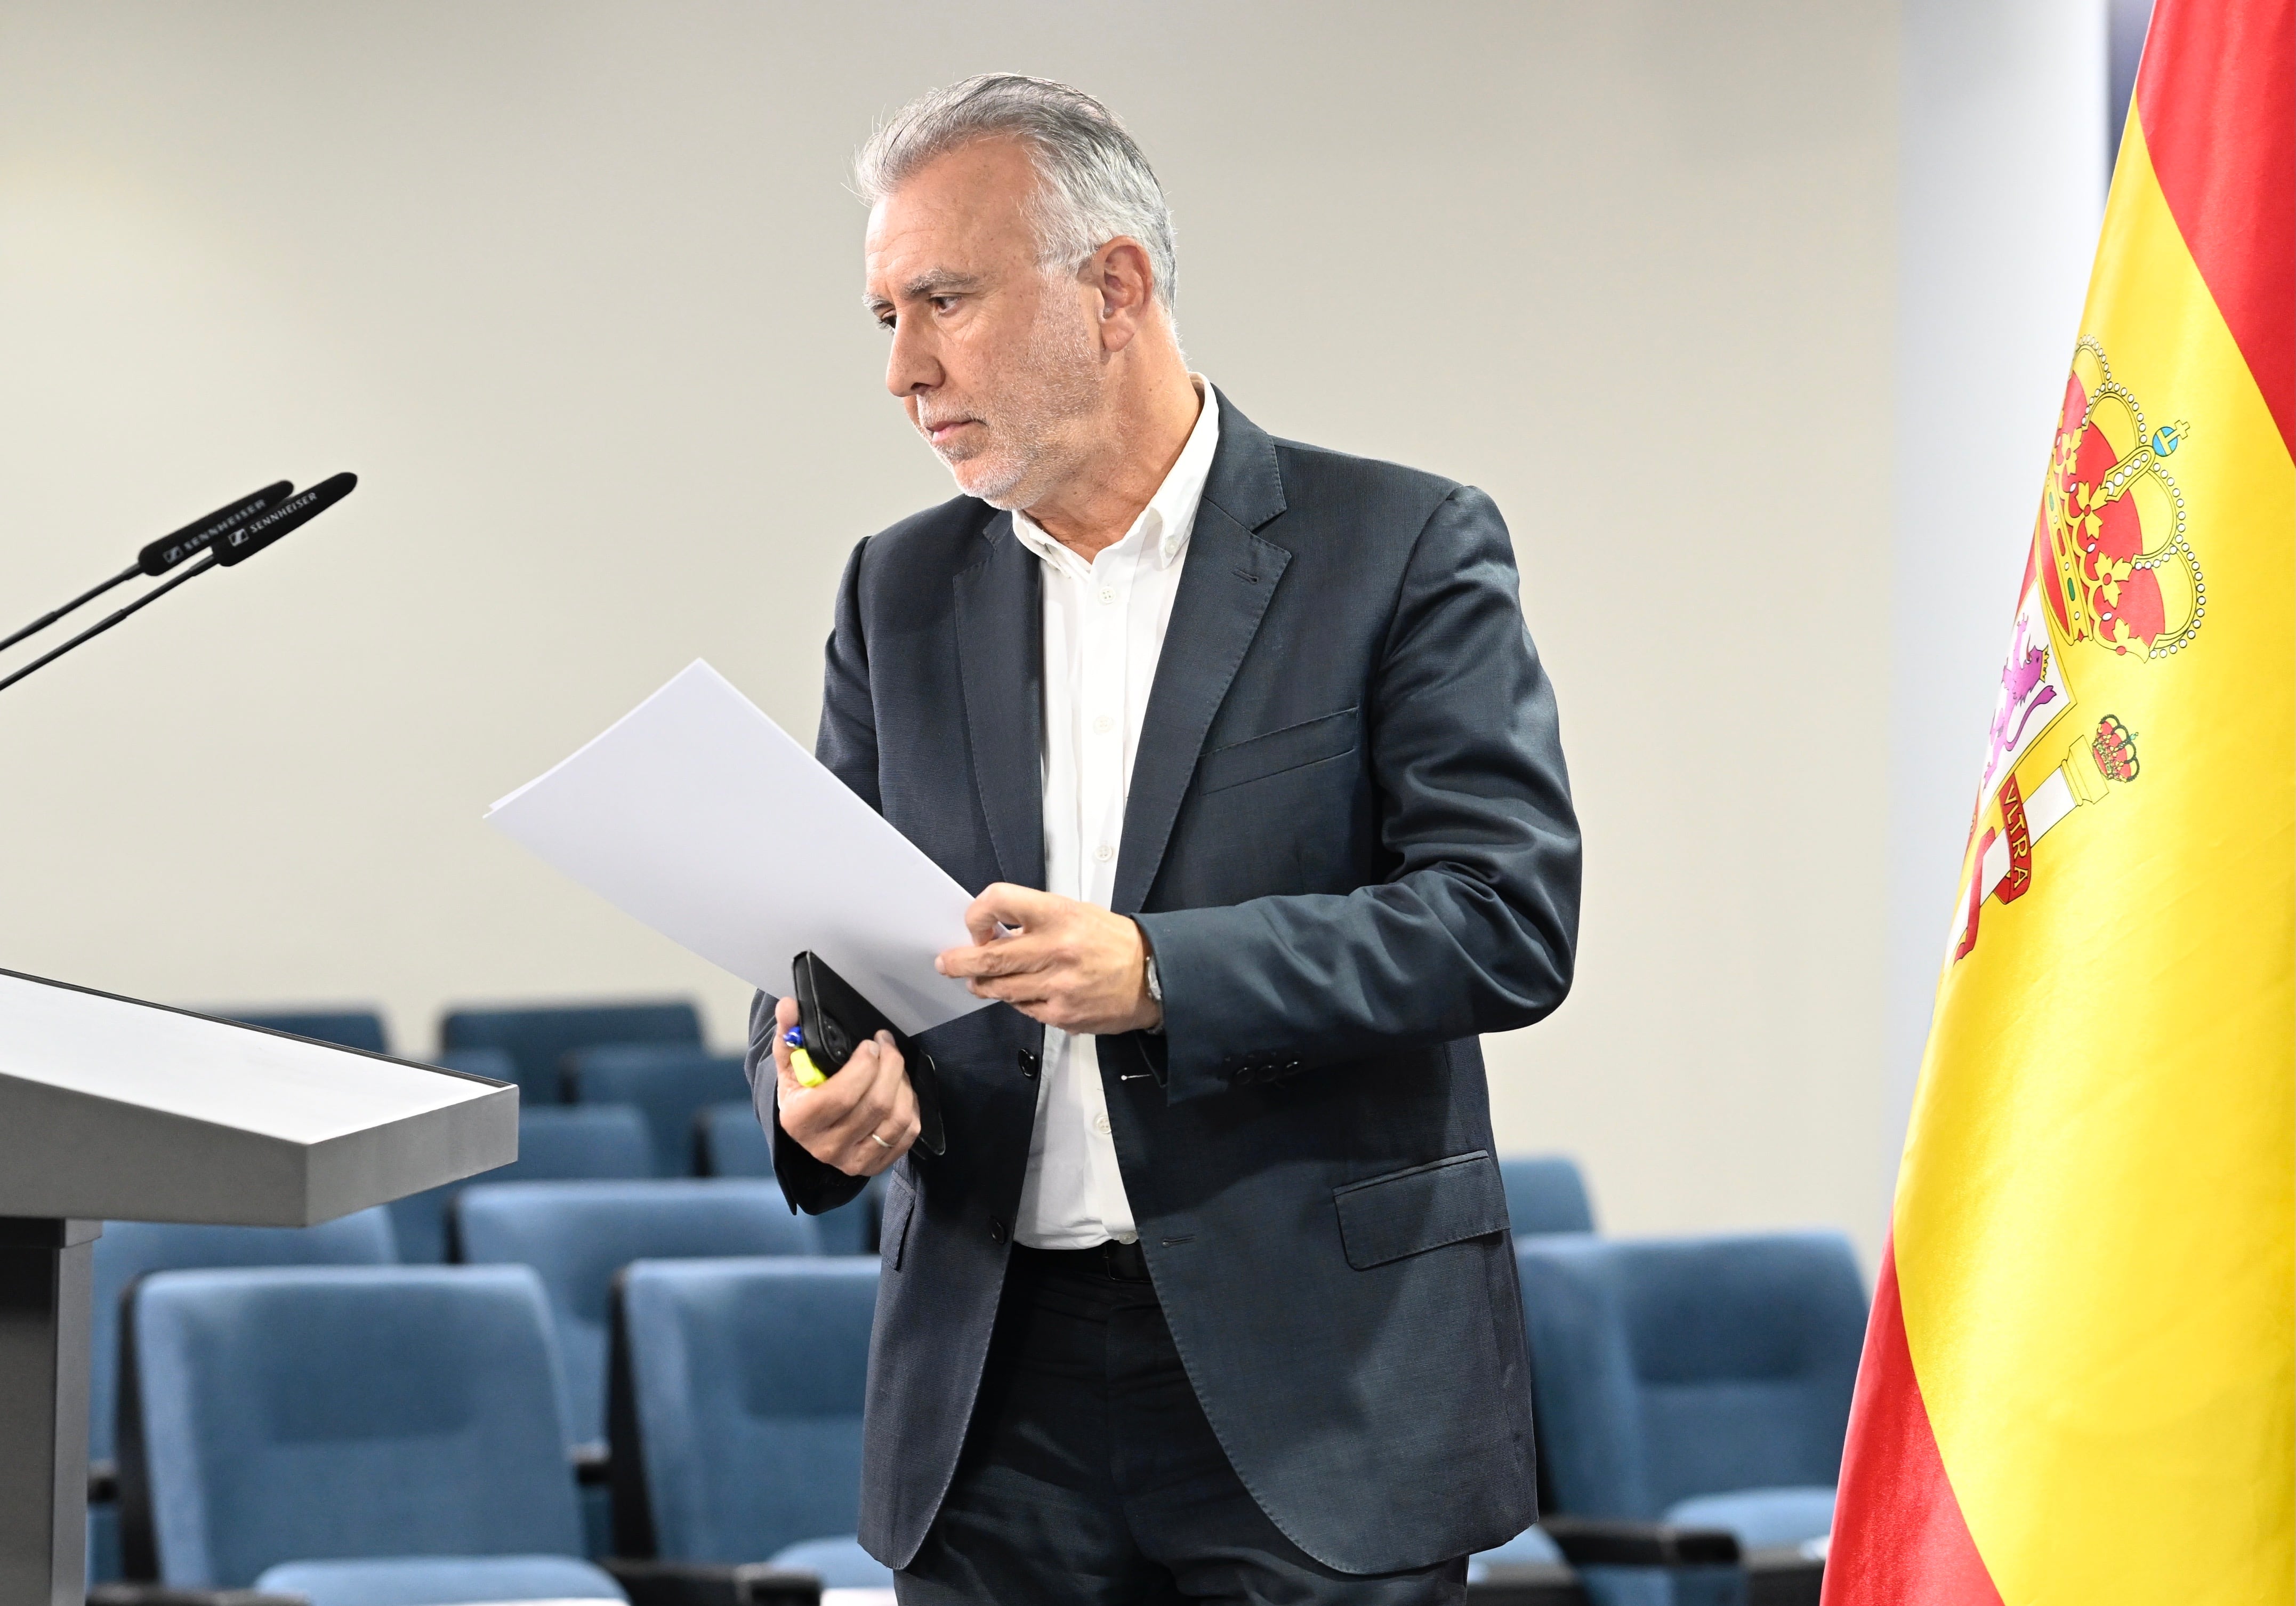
column 1094, row 183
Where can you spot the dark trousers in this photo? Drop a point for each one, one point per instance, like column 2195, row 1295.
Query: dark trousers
column 1089, row 1474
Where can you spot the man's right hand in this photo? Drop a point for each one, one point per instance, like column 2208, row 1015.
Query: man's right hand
column 862, row 1119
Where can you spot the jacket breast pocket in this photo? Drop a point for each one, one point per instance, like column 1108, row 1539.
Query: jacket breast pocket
column 1293, row 748
column 1385, row 1218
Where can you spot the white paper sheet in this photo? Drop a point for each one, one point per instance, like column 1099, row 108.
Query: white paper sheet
column 699, row 815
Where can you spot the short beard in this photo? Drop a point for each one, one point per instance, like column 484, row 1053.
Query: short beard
column 1055, row 382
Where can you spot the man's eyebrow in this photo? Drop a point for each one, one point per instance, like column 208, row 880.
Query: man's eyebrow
column 934, row 281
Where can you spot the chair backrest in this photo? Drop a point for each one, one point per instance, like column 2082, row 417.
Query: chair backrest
column 538, row 1039
column 577, row 1235
column 129, row 1249
column 351, row 1028
column 728, row 1141
column 1545, row 1193
column 555, row 1143
column 668, row 1083
column 1664, row 1368
column 737, row 1405
column 340, row 1411
column 495, row 1063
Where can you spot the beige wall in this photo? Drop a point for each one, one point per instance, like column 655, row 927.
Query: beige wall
column 574, row 289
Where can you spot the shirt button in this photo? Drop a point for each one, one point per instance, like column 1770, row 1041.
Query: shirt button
column 1028, row 1065
column 1107, row 595
column 995, row 1231
column 1099, row 1124
column 1105, row 724
column 1104, row 852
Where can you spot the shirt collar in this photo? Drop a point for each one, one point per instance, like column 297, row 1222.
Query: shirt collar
column 1170, row 515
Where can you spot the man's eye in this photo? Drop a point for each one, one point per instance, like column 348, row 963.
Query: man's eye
column 943, row 304
column 888, row 322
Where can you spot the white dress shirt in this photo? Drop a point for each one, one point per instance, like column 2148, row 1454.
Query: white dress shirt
column 1103, row 623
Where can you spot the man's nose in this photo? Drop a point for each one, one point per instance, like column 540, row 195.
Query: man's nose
column 911, row 367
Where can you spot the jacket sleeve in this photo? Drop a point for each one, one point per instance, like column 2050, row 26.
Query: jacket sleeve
column 847, row 745
column 1475, row 928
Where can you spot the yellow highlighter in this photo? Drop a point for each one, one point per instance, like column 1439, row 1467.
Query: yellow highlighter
column 801, row 1066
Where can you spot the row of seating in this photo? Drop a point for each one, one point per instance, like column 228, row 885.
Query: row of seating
column 537, row 1042
column 575, row 1236
column 286, row 1418
column 1695, row 1339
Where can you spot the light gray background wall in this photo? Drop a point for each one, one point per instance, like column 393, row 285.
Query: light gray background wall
column 574, row 287
column 2002, row 178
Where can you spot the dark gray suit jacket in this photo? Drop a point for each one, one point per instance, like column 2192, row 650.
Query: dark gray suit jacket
column 1350, row 843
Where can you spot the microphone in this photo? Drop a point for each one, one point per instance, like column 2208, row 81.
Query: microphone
column 227, row 540
column 166, row 552
column 195, row 536
column 237, row 543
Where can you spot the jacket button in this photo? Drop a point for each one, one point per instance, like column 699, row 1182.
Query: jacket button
column 1028, row 1065
column 995, row 1231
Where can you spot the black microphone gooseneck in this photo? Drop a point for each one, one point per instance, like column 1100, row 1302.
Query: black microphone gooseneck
column 231, row 536
column 166, row 553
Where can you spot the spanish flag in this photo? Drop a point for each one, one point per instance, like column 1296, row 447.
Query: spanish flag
column 2077, row 1382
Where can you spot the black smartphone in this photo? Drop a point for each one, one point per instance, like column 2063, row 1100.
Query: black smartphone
column 836, row 1020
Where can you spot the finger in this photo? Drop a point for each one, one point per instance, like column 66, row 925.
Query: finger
column 1019, row 992
column 1008, row 957
column 1002, row 904
column 886, row 1099
column 890, row 1140
column 830, row 1105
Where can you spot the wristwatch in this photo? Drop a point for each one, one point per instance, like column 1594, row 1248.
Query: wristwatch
column 1155, row 981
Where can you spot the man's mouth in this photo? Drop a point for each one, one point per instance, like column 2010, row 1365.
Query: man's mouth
column 942, row 432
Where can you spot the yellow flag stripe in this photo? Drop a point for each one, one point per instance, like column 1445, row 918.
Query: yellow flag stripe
column 2094, row 1218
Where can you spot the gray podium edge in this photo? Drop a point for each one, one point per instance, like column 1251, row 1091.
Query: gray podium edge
column 45, row 1316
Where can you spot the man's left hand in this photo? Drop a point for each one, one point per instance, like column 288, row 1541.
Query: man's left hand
column 1071, row 965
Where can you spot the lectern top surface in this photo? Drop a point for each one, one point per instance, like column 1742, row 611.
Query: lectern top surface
column 208, row 1070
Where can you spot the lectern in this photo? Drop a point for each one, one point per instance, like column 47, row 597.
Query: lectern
column 114, row 1108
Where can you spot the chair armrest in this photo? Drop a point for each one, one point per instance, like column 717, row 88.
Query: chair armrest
column 1603, row 1542
column 593, row 1464
column 160, row 1594
column 102, row 1482
column 1788, row 1574
column 701, row 1583
column 1526, row 1583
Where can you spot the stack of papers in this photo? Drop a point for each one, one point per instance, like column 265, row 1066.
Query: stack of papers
column 697, row 814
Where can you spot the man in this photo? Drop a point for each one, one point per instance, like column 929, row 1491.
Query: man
column 1211, row 1295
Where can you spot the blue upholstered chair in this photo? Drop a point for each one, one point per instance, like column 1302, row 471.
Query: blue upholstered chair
column 538, row 1039
column 666, row 1083
column 129, row 1249
column 350, row 1028
column 1701, row 1383
column 493, row 1063
column 367, row 1436
column 728, row 1141
column 577, row 1235
column 1545, row 1193
column 556, row 1143
column 737, row 1412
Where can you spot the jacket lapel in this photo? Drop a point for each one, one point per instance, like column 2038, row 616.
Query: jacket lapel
column 1000, row 647
column 1225, row 582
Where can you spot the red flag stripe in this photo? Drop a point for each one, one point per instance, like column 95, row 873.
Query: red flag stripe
column 1899, row 1536
column 2216, row 98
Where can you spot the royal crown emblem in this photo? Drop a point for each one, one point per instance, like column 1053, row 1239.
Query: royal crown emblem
column 2111, row 569
column 2113, row 521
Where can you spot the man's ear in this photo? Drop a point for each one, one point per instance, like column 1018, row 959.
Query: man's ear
column 1125, row 282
